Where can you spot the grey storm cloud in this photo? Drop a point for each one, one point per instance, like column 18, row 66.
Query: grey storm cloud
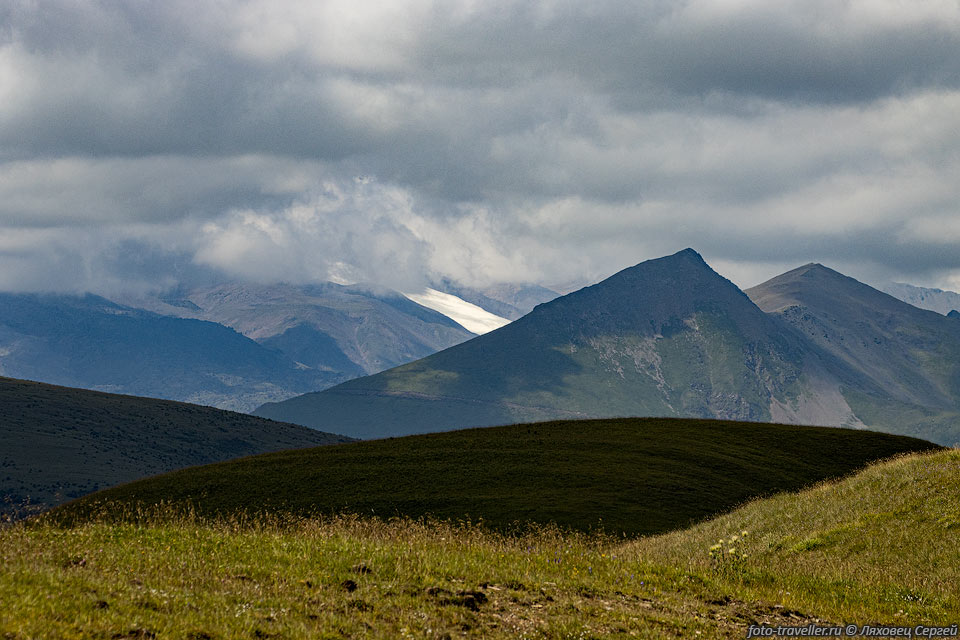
column 543, row 141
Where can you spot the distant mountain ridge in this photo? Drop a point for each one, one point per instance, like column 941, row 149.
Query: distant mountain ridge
column 933, row 299
column 670, row 337
column 90, row 342
column 898, row 367
column 372, row 327
column 230, row 346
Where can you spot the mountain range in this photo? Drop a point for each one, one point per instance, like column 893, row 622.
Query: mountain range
column 671, row 337
column 353, row 330
column 230, row 346
column 90, row 342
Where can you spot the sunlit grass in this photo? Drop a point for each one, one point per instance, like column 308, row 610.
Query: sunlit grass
column 880, row 546
column 178, row 577
column 883, row 544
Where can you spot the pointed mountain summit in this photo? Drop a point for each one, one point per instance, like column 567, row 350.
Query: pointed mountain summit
column 821, row 287
column 898, row 367
column 667, row 337
column 650, row 297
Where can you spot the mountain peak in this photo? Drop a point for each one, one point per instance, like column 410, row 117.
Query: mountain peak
column 688, row 253
column 816, row 286
column 809, row 270
column 647, row 298
column 688, row 256
column 810, row 282
column 688, row 263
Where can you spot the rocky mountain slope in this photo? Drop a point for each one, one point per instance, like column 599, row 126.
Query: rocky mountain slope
column 670, row 337
column 896, row 366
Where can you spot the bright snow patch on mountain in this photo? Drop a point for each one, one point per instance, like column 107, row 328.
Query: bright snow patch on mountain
column 469, row 316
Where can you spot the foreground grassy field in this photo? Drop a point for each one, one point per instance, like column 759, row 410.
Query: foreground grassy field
column 879, row 546
column 632, row 476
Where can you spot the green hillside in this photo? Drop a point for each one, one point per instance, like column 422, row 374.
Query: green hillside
column 633, row 476
column 881, row 545
column 60, row 443
column 878, row 547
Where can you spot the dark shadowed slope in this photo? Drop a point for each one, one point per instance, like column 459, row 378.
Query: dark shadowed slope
column 629, row 475
column 61, row 443
column 668, row 337
column 900, row 365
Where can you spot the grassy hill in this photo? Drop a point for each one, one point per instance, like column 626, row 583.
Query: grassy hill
column 60, row 443
column 633, row 476
column 880, row 545
column 876, row 547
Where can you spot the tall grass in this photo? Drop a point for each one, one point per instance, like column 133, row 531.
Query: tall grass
column 883, row 544
column 174, row 575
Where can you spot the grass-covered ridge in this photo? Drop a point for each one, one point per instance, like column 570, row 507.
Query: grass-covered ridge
column 877, row 547
column 59, row 443
column 882, row 544
column 631, row 476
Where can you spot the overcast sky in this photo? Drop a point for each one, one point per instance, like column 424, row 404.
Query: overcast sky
column 146, row 143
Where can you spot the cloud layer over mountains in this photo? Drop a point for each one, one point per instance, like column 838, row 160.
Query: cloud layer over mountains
column 146, row 143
